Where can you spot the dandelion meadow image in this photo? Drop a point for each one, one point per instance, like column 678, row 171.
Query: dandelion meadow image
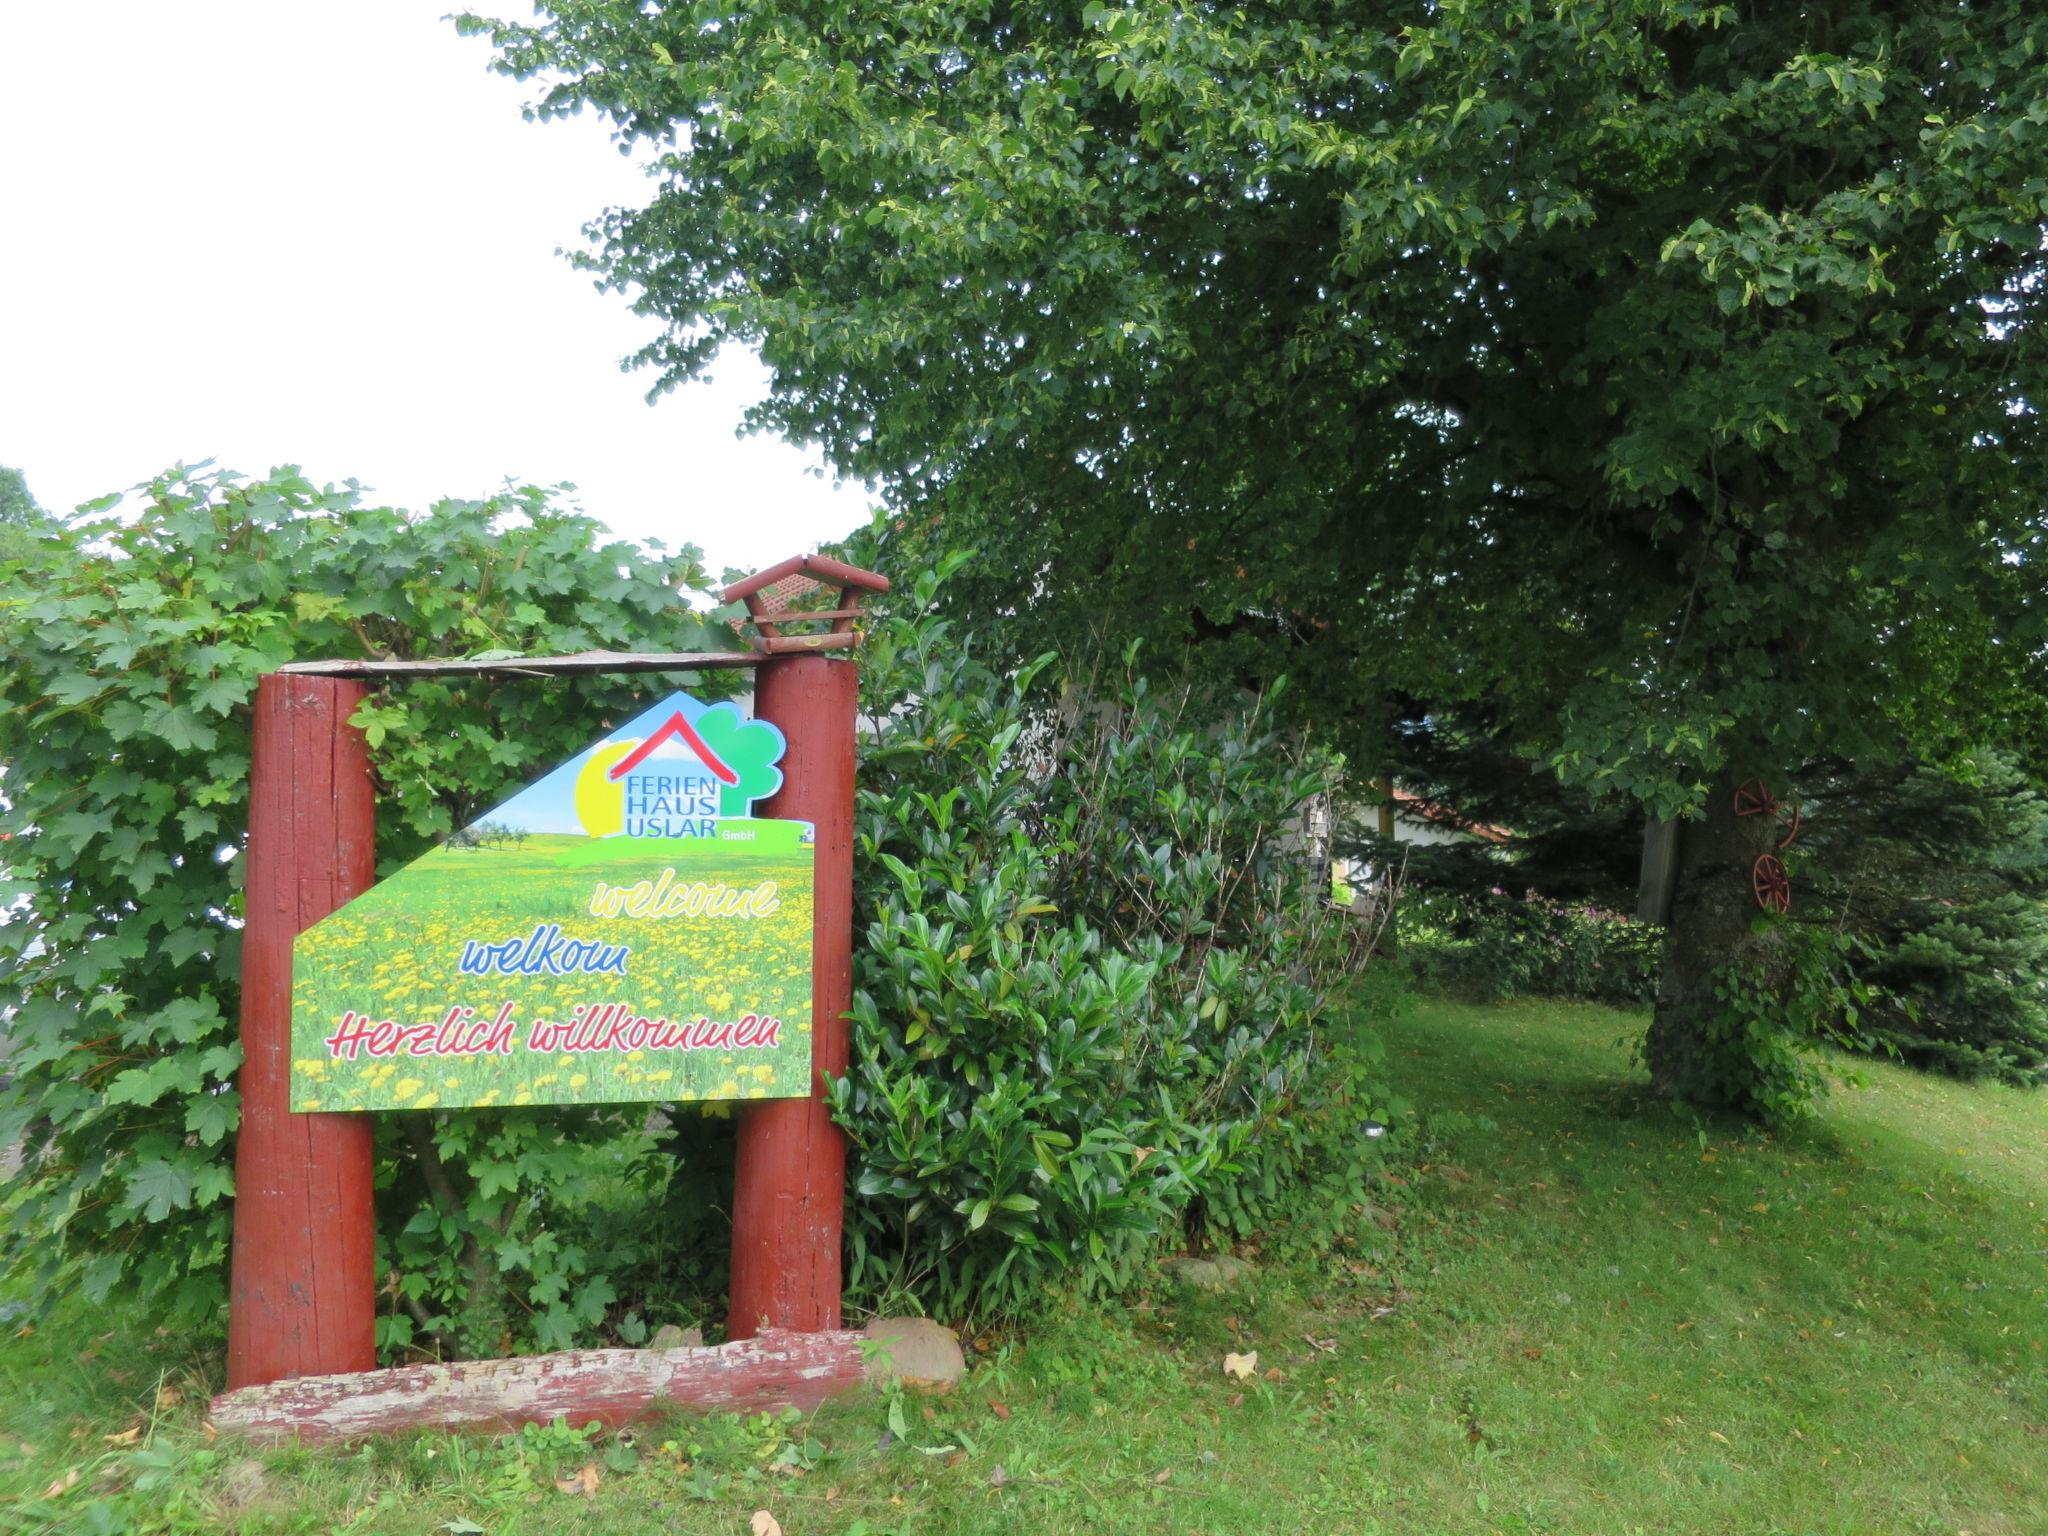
column 621, row 930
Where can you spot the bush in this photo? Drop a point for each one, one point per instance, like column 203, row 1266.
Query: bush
column 128, row 663
column 1763, row 1052
column 1495, row 948
column 1092, row 1009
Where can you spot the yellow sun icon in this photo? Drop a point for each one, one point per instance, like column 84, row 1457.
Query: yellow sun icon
column 601, row 800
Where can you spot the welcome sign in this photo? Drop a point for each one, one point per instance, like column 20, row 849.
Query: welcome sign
column 623, row 929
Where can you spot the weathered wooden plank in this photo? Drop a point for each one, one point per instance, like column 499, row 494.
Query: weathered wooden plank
column 798, row 645
column 575, row 662
column 774, row 1369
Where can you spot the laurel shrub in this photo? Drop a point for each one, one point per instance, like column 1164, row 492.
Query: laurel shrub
column 1096, row 989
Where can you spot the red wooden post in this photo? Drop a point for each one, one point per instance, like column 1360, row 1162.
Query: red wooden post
column 789, row 1188
column 304, row 1284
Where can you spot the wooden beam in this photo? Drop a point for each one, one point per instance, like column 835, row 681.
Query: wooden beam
column 789, row 1175
column 537, row 666
column 303, row 1275
column 822, row 568
column 774, row 1369
column 798, row 645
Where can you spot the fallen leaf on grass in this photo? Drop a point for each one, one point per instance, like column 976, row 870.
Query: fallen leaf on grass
column 1241, row 1367
column 168, row 1397
column 1532, row 1354
column 1327, row 1346
column 999, row 1476
column 127, row 1436
column 1162, row 1475
column 61, row 1484
column 582, row 1482
column 1000, row 1410
column 460, row 1528
column 1273, row 1374
column 765, row 1524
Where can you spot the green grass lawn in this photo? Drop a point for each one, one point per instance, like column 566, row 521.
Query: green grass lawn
column 1593, row 1316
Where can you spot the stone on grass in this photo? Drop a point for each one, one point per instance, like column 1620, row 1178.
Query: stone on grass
column 1210, row 1274
column 916, row 1353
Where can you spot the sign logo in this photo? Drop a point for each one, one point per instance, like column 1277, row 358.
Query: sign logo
column 624, row 928
column 682, row 778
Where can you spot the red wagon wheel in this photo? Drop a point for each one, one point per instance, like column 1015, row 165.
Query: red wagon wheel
column 1753, row 799
column 1788, row 816
column 1772, row 885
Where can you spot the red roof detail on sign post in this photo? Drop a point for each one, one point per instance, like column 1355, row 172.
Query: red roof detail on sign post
column 679, row 728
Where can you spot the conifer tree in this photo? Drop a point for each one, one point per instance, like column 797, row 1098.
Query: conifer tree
column 1945, row 879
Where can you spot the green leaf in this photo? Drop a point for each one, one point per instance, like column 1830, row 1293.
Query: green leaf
column 157, row 1188
column 212, row 1116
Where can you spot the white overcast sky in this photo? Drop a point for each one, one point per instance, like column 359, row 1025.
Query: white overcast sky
column 322, row 234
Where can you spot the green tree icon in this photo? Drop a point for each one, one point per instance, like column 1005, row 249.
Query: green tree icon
column 750, row 748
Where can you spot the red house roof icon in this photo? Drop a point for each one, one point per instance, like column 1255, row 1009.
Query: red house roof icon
column 678, row 729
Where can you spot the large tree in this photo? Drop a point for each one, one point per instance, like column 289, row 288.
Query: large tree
column 1661, row 372
column 20, row 514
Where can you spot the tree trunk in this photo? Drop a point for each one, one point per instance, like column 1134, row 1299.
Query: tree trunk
column 1713, row 920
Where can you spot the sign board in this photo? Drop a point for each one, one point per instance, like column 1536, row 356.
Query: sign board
column 622, row 929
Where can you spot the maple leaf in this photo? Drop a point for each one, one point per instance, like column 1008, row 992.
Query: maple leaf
column 159, row 1188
